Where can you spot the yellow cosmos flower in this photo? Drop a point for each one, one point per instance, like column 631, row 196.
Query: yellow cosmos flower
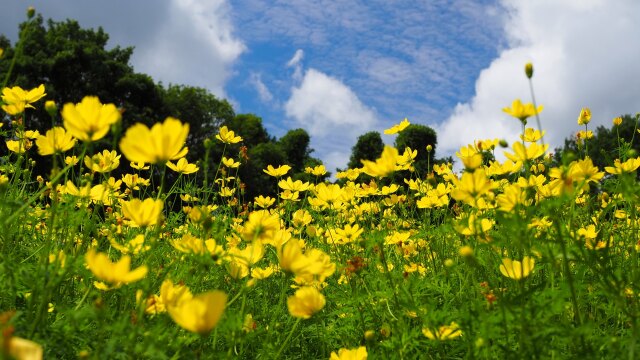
column 532, row 135
column 103, row 162
column 398, row 127
column 19, row 146
column 117, row 273
column 305, row 302
column 350, row 354
column 139, row 165
column 16, row 99
column 585, row 116
column 163, row 142
column 383, row 166
column 619, row 167
column 22, row 349
column 470, row 157
column 472, row 186
column 89, row 120
column 316, row 171
column 291, row 185
column 230, row 163
column 264, row 202
column 171, row 294
column 183, row 166
column 227, row 136
column 142, row 213
column 444, row 332
column 55, row 140
column 200, row 313
column 277, row 172
column 517, row 270
column 522, row 111
column 522, row 153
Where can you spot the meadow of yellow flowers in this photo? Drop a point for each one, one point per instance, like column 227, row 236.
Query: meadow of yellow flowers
column 521, row 258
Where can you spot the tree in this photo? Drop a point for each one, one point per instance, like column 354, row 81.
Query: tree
column 417, row 137
column 368, row 147
column 295, row 145
column 252, row 174
column 607, row 143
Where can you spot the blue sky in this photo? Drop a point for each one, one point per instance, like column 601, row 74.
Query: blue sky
column 340, row 68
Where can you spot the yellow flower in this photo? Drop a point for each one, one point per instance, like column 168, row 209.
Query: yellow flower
column 277, row 172
column 55, row 140
column 383, row 166
column 532, row 135
column 103, row 162
column 19, row 146
column 200, row 313
column 22, row 349
column 623, row 167
column 171, row 294
column 305, row 302
column 617, row 121
column 398, row 127
column 470, row 157
column 316, row 171
column 261, row 226
column 16, row 99
column 89, row 120
column 522, row 153
column 183, row 166
column 142, row 213
column 350, row 354
column 291, row 185
column 163, row 142
column 517, row 270
column 585, row 116
column 264, row 202
column 116, row 274
column 522, row 111
column 139, row 165
column 230, row 163
column 472, row 186
column 227, row 136
column 444, row 332
column 133, row 181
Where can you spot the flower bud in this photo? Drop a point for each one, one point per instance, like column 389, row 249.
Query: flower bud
column 503, row 143
column 429, row 148
column 528, row 70
column 51, row 107
column 31, row 12
column 466, row 251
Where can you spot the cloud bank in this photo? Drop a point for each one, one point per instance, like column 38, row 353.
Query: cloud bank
column 583, row 56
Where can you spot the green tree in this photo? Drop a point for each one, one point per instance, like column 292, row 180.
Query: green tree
column 252, row 174
column 607, row 144
column 369, row 146
column 295, row 145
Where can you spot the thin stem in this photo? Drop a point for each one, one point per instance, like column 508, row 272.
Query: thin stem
column 286, row 341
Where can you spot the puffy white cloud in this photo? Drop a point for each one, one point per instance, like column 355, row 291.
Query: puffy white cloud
column 296, row 63
column 582, row 55
column 194, row 45
column 333, row 115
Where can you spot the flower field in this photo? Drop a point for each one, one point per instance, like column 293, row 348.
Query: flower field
column 529, row 257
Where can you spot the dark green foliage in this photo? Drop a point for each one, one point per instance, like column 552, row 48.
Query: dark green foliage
column 295, row 144
column 417, row 137
column 607, row 144
column 368, row 147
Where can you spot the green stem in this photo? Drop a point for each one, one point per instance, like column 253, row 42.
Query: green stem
column 286, row 341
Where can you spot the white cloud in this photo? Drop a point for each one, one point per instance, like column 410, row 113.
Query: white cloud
column 195, row 45
column 333, row 115
column 582, row 55
column 261, row 88
column 296, row 64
